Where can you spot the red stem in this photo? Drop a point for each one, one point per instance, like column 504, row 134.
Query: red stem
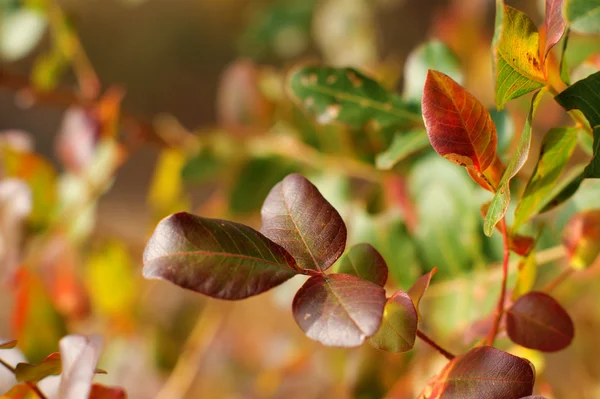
column 435, row 346
column 31, row 385
column 500, row 305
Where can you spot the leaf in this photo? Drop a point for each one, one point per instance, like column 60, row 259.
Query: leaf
column 363, row 260
column 8, row 344
column 501, row 199
column 403, row 145
column 398, row 328
column 255, row 180
column 581, row 238
column 167, row 192
column 296, row 216
column 583, row 95
column 483, row 372
column 526, row 275
column 418, row 289
column 537, row 321
column 593, row 168
column 554, row 24
column 557, row 147
column 433, row 54
column 203, row 166
column 565, row 189
column 346, row 96
column 505, row 128
column 339, row 310
column 518, row 67
column 103, row 392
column 458, row 125
column 583, row 15
column 20, row 391
column 25, row 372
column 215, row 257
column 79, row 359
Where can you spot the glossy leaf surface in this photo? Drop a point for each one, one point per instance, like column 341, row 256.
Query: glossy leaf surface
column 557, row 147
column 339, row 310
column 364, row 261
column 458, row 125
column 435, row 55
column 35, row 372
column 581, row 238
column 499, row 204
column 398, row 328
column 583, row 15
column 537, row 321
column 403, row 145
column 215, row 257
column 483, row 372
column 583, row 95
column 296, row 216
column 554, row 24
column 518, row 66
column 344, row 95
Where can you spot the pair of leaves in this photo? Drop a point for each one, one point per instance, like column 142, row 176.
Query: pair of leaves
column 301, row 233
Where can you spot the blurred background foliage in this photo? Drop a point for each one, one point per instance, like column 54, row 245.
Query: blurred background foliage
column 115, row 113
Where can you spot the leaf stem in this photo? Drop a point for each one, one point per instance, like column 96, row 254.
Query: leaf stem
column 435, row 346
column 501, row 298
column 31, row 385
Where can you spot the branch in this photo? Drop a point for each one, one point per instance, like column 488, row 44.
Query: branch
column 500, row 305
column 435, row 346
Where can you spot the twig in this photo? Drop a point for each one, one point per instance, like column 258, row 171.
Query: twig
column 31, row 385
column 500, row 305
column 435, row 346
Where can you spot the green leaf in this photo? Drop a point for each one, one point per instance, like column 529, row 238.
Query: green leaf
column 346, row 96
column 25, row 372
column 583, row 95
column 255, row 180
column 584, row 15
column 557, row 147
column 565, row 189
column 296, row 216
column 339, row 309
column 202, row 166
column 398, row 328
column 365, row 262
column 215, row 257
column 403, row 145
column 518, row 66
column 501, row 199
column 430, row 55
column 505, row 128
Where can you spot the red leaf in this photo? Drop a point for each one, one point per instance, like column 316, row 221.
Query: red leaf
column 20, row 391
column 419, row 287
column 103, row 392
column 215, row 257
column 459, row 127
column 296, row 216
column 483, row 372
column 339, row 309
column 537, row 321
column 554, row 23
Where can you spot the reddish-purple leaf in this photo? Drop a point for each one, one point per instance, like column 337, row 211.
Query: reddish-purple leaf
column 339, row 309
column 398, row 326
column 296, row 216
column 419, row 287
column 554, row 23
column 537, row 321
column 25, row 372
column 103, row 392
column 364, row 261
column 483, row 372
column 459, row 127
column 581, row 238
column 218, row 258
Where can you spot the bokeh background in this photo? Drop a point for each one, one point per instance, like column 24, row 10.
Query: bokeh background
column 213, row 69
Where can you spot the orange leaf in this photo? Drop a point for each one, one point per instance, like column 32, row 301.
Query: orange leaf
column 459, row 127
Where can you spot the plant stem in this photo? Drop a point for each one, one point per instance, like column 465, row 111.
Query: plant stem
column 500, row 305
column 31, row 385
column 435, row 346
column 558, row 279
